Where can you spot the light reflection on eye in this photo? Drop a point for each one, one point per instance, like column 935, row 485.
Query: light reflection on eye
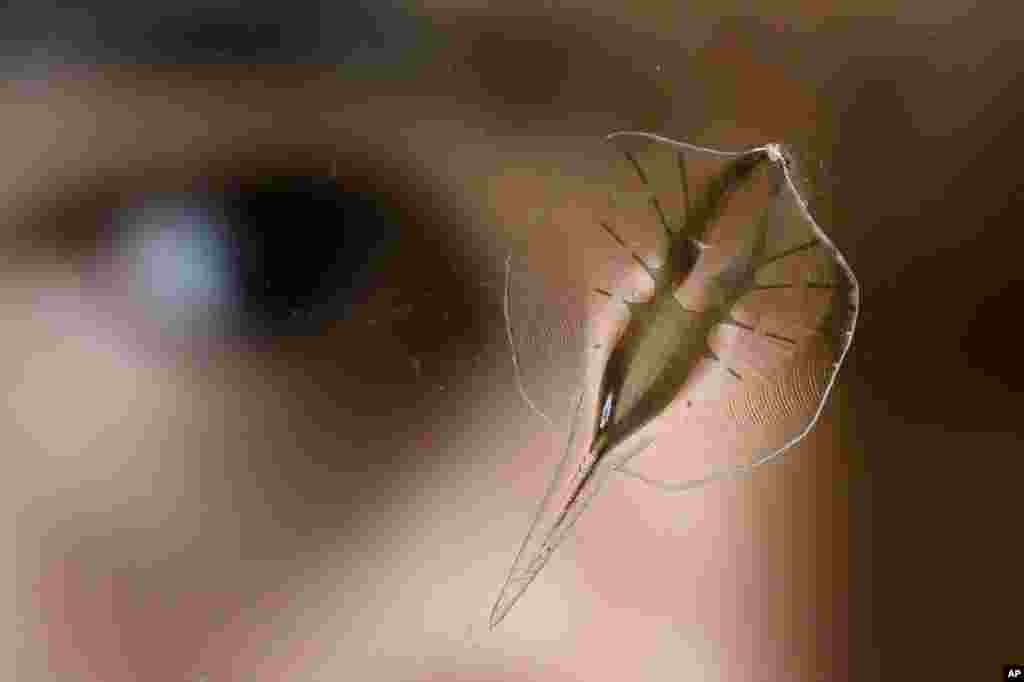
column 175, row 259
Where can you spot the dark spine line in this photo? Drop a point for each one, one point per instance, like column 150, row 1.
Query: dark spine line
column 684, row 183
column 779, row 337
column 790, row 285
column 621, row 242
column 637, row 167
column 789, row 252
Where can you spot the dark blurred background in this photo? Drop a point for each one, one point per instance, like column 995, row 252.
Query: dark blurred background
column 905, row 119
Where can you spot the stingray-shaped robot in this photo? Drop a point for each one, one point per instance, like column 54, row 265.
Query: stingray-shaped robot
column 732, row 348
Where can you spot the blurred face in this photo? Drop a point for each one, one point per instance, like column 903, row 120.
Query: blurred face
column 204, row 485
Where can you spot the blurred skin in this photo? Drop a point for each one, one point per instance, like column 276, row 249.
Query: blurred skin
column 267, row 513
column 158, row 537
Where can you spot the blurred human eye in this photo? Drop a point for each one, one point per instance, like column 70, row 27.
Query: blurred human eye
column 317, row 247
column 247, row 251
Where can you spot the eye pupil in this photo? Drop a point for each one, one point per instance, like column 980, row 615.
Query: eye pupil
column 303, row 243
